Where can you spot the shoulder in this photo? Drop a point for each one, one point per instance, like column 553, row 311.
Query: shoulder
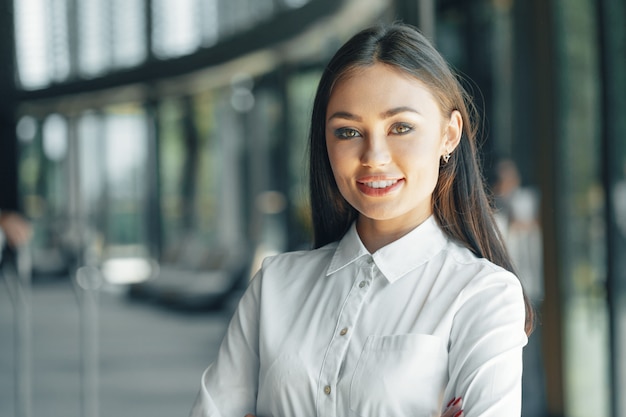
column 298, row 258
column 486, row 296
column 299, row 261
column 479, row 274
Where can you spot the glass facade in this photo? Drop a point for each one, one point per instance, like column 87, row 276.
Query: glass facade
column 65, row 40
column 125, row 156
column 585, row 310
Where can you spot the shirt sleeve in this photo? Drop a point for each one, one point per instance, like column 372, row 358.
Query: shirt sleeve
column 229, row 385
column 485, row 351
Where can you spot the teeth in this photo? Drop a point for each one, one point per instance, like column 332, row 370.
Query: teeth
column 381, row 184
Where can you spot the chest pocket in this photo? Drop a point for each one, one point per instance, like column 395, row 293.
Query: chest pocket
column 400, row 375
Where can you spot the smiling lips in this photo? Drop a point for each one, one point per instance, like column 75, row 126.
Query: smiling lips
column 378, row 187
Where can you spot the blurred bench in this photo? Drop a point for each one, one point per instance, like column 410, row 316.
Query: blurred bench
column 195, row 277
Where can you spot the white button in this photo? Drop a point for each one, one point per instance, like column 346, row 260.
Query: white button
column 327, row 390
column 343, row 331
column 362, row 284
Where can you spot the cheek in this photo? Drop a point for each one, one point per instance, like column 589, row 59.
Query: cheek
column 423, row 168
column 421, row 157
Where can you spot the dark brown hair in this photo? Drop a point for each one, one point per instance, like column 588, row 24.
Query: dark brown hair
column 460, row 203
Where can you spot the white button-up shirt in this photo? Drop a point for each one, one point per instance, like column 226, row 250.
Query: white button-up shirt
column 338, row 332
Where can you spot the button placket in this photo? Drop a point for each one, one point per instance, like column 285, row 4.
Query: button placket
column 335, row 353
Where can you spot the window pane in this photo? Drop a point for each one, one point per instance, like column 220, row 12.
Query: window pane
column 54, row 138
column 208, row 12
column 31, row 31
column 58, row 38
column 94, row 42
column 129, row 32
column 176, row 27
column 209, row 167
column 91, row 147
column 171, row 158
column 586, row 321
column 126, row 156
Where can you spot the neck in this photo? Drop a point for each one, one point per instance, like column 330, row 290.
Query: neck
column 376, row 234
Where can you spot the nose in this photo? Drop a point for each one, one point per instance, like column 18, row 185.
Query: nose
column 376, row 151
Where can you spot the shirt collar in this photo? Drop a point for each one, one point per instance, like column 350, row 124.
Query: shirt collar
column 397, row 258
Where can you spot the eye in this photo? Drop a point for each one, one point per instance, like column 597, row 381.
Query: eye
column 347, row 133
column 401, row 128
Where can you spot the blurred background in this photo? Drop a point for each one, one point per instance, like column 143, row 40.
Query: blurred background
column 157, row 149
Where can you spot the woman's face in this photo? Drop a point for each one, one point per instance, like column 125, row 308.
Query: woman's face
column 385, row 135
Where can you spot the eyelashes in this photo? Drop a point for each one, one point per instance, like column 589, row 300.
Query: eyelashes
column 401, row 128
column 347, row 133
column 351, row 133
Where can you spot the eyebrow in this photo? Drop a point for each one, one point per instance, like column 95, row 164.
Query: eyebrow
column 397, row 110
column 384, row 115
column 345, row 115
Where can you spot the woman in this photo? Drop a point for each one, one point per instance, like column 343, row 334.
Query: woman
column 406, row 306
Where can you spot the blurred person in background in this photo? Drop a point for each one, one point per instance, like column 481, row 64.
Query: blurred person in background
column 407, row 306
column 517, row 215
column 15, row 230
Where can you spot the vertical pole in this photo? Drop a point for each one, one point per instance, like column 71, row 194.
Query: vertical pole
column 87, row 284
column 88, row 281
column 8, row 103
column 546, row 134
column 18, row 281
column 24, row 333
column 153, row 174
column 612, row 36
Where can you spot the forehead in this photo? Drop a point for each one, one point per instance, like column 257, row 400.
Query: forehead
column 379, row 87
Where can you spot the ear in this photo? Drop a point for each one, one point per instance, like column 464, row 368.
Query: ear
column 452, row 132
